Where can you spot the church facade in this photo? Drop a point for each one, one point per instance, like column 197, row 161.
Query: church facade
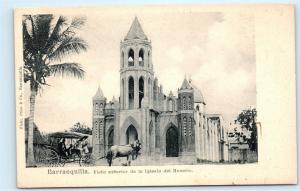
column 168, row 126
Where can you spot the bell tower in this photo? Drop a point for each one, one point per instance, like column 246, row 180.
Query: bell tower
column 136, row 69
column 186, row 118
column 99, row 102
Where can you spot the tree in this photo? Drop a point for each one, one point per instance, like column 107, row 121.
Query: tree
column 81, row 128
column 247, row 119
column 46, row 42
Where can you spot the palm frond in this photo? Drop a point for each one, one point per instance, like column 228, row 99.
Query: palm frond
column 77, row 22
column 68, row 46
column 55, row 35
column 67, row 69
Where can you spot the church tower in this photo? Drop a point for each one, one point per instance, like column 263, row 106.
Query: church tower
column 99, row 102
column 186, row 118
column 136, row 69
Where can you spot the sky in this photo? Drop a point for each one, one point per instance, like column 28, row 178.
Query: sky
column 215, row 49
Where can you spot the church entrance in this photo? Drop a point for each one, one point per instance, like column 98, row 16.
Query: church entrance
column 131, row 134
column 172, row 146
column 110, row 141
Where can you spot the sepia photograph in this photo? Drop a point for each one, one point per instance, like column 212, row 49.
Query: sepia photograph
column 123, row 88
column 136, row 113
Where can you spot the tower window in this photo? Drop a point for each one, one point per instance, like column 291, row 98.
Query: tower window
column 96, row 108
column 184, row 126
column 141, row 91
column 96, row 128
column 131, row 58
column 141, row 57
column 189, row 103
column 190, row 126
column 131, row 92
column 183, row 103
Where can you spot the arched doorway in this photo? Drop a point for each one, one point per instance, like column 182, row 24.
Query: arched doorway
column 172, row 146
column 110, row 138
column 131, row 134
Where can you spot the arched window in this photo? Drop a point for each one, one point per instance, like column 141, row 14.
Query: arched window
column 96, row 128
column 131, row 58
column 131, row 92
column 197, row 107
column 101, row 108
column 183, row 103
column 184, row 126
column 170, row 105
column 141, row 91
column 100, row 128
column 141, row 57
column 190, row 126
column 189, row 103
column 96, row 108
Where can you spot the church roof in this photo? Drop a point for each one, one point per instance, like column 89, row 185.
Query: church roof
column 198, row 96
column 135, row 31
column 99, row 94
column 185, row 84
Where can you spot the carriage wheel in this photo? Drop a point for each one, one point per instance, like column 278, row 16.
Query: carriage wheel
column 50, row 158
column 86, row 160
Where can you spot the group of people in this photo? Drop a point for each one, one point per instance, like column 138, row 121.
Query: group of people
column 79, row 148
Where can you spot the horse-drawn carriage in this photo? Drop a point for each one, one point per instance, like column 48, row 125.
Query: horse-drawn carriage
column 56, row 153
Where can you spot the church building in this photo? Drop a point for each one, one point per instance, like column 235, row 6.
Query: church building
column 173, row 128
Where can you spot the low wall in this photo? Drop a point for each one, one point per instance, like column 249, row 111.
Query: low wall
column 242, row 155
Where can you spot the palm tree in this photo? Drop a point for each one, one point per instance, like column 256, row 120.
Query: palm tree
column 46, row 41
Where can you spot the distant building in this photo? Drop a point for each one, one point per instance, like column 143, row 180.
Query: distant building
column 167, row 125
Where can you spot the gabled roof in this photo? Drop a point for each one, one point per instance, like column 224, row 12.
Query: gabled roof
column 99, row 94
column 135, row 31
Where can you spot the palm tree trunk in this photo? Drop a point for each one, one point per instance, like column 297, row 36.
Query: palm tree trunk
column 30, row 155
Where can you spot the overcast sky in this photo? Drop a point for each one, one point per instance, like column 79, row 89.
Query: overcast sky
column 215, row 49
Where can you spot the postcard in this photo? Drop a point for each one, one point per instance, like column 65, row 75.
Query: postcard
column 155, row 95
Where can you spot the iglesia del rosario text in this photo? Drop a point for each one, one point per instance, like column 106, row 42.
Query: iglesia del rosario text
column 173, row 129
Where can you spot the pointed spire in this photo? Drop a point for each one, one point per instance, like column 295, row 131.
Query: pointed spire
column 99, row 94
column 136, row 31
column 171, row 94
column 190, row 79
column 185, row 84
